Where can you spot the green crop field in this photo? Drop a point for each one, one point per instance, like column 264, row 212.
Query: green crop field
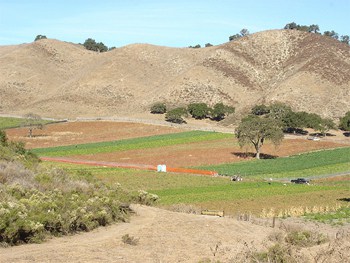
column 132, row 144
column 254, row 195
column 303, row 165
column 9, row 122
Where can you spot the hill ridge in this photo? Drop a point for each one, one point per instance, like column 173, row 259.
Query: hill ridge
column 61, row 79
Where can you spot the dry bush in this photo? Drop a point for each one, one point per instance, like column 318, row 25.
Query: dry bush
column 15, row 173
column 130, row 240
column 305, row 238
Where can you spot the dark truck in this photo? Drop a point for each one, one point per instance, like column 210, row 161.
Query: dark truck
column 300, row 181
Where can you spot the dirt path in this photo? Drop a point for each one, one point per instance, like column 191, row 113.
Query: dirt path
column 164, row 236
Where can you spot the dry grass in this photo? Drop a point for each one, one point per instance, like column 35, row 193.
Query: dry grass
column 263, row 65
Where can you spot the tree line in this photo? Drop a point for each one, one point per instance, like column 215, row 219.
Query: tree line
column 263, row 122
column 197, row 111
column 314, row 28
column 271, row 122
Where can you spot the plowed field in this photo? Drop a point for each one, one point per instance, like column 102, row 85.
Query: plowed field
column 70, row 133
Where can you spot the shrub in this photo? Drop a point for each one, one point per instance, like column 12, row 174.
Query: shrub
column 260, row 110
column 345, row 122
column 305, row 238
column 146, row 198
column 130, row 240
column 276, row 253
column 158, row 108
column 198, row 110
column 176, row 115
column 3, row 138
column 220, row 110
column 38, row 202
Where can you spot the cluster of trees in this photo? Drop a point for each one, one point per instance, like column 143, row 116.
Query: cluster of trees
column 311, row 29
column 38, row 37
column 292, row 121
column 316, row 29
column 197, row 110
column 199, row 46
column 244, row 32
column 91, row 44
column 269, row 122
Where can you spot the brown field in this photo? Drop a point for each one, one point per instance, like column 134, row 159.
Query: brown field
column 69, row 133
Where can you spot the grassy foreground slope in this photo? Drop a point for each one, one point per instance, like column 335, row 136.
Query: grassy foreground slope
column 302, row 165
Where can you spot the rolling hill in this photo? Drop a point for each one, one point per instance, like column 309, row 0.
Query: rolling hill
column 59, row 79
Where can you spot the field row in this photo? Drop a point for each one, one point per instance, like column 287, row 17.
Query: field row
column 132, row 144
column 302, row 165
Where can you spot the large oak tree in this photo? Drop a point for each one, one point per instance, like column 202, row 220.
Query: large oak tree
column 254, row 130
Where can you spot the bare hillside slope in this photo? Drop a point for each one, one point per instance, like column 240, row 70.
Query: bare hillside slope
column 59, row 79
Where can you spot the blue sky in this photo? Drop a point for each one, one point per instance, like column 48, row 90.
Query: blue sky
column 177, row 23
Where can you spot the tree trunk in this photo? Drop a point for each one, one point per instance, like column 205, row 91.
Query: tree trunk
column 257, row 154
column 257, row 149
column 30, row 133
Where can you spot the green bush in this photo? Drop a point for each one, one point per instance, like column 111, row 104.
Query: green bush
column 345, row 122
column 146, row 198
column 28, row 215
column 220, row 111
column 36, row 202
column 176, row 115
column 198, row 110
column 260, row 110
column 158, row 108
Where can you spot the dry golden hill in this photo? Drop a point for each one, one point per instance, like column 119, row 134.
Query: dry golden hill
column 58, row 79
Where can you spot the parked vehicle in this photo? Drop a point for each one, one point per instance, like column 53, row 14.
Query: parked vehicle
column 300, row 181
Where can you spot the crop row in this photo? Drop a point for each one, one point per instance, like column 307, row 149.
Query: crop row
column 132, row 144
column 256, row 190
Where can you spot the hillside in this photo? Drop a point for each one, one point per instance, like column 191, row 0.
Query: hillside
column 58, row 79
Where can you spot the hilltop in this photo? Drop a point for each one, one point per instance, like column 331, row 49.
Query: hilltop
column 52, row 78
